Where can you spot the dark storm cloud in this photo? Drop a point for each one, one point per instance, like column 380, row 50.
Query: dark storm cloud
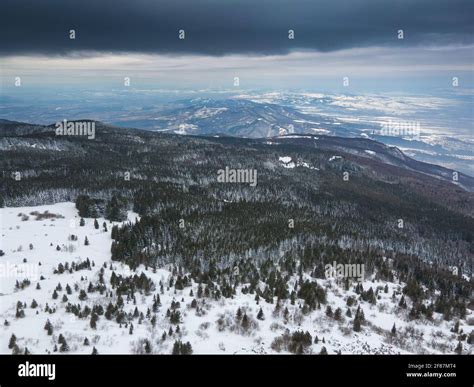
column 220, row 27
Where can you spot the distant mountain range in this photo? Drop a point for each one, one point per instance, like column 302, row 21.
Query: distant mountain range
column 444, row 123
column 236, row 117
column 256, row 116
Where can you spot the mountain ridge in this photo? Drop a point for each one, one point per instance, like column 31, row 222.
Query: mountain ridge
column 356, row 146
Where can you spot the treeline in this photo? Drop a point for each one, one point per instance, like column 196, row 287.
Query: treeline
column 114, row 209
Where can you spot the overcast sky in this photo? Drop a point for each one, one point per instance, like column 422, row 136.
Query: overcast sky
column 227, row 38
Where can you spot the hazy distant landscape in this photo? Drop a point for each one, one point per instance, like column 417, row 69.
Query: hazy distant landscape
column 442, row 126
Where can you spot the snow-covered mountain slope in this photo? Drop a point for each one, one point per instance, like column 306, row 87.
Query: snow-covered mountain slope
column 36, row 240
column 379, row 152
column 232, row 117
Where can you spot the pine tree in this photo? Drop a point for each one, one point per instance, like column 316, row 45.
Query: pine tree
column 64, row 347
column 48, row 327
column 20, row 313
column 357, row 325
column 82, row 295
column 176, row 348
column 16, row 350
column 180, row 348
column 86, row 242
column 82, row 222
column 458, row 349
column 175, row 317
column 329, row 311
column 394, row 330
column 94, row 351
column 86, row 341
column 245, row 322
column 200, row 291
column 187, row 349
column 276, row 311
column 96, row 224
column 370, row 296
column 260, row 315
column 470, row 338
column 456, row 327
column 34, row 304
column 147, row 346
column 350, row 301
column 94, row 318
column 324, row 351
column 12, row 341
column 402, row 303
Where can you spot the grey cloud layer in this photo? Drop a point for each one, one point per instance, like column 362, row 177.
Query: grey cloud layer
column 219, row 27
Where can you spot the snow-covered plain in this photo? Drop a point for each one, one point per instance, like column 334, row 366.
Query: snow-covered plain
column 201, row 329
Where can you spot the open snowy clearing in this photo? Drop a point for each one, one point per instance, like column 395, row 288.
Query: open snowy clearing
column 35, row 240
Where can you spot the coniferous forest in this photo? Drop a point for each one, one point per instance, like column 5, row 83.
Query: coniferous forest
column 270, row 243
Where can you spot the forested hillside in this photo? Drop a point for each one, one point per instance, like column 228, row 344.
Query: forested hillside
column 316, row 202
